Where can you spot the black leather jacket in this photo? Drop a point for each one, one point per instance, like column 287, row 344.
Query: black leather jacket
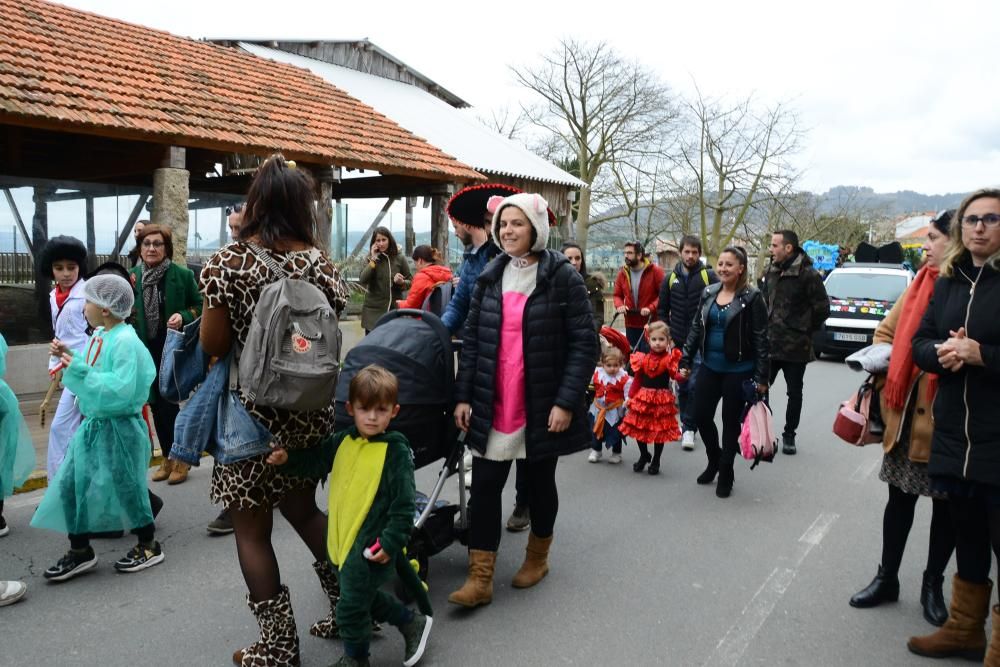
column 746, row 330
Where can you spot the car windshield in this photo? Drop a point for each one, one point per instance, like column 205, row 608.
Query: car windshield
column 868, row 286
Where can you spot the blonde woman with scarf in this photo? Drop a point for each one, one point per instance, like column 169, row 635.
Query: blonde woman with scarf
column 906, row 399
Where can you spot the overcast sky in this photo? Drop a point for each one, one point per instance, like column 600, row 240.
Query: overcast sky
column 895, row 95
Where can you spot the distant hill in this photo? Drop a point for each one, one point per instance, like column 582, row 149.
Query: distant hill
column 892, row 204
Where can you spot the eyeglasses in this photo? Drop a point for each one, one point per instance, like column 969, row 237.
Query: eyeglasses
column 153, row 244
column 988, row 220
column 235, row 208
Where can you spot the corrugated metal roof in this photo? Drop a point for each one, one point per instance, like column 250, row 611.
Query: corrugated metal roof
column 453, row 131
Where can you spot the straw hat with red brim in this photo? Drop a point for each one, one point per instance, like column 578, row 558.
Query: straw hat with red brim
column 468, row 205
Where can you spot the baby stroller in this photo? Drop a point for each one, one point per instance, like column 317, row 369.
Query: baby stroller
column 417, row 348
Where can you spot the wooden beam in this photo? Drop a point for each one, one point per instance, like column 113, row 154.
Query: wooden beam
column 140, row 204
column 20, row 223
column 410, row 239
column 376, row 187
column 91, row 235
column 375, row 223
column 97, row 191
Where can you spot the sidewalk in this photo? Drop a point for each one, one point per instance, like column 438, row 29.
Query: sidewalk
column 30, row 403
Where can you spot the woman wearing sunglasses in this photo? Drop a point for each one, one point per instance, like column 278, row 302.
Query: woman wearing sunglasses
column 166, row 297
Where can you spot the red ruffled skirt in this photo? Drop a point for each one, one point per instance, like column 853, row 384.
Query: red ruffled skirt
column 651, row 416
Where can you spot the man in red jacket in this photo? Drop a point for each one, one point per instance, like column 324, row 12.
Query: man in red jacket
column 637, row 292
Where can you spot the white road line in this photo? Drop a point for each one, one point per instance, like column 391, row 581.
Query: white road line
column 731, row 647
column 865, row 470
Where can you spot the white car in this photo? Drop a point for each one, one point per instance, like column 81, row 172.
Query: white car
column 861, row 295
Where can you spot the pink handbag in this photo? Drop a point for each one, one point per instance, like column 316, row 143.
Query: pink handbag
column 857, row 423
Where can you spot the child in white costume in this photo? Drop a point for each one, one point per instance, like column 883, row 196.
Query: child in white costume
column 101, row 485
column 63, row 259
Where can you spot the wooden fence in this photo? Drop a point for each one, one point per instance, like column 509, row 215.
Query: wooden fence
column 19, row 268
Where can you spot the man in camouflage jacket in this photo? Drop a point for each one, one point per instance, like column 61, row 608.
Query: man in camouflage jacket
column 797, row 306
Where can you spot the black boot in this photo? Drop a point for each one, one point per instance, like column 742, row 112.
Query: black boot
column 883, row 588
column 725, row 485
column 788, row 444
column 640, row 465
column 711, row 471
column 932, row 599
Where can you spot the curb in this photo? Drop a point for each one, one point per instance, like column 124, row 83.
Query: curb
column 40, row 479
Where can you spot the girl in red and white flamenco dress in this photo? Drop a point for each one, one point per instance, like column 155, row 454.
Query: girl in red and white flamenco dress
column 651, row 408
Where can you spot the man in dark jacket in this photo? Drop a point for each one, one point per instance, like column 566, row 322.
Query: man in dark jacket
column 679, row 296
column 637, row 292
column 797, row 305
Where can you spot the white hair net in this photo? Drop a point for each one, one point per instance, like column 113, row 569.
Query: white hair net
column 111, row 292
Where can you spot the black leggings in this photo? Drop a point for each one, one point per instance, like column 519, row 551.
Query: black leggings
column 253, row 539
column 977, row 529
column 710, row 389
column 488, row 480
column 644, row 451
column 146, row 535
column 164, row 416
column 896, row 523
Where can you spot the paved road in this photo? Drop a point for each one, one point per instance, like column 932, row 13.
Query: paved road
column 645, row 570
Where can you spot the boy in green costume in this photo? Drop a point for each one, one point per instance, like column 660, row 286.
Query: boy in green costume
column 371, row 506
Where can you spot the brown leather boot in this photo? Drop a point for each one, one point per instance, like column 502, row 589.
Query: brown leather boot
column 478, row 587
column 993, row 652
column 179, row 473
column 536, row 562
column 163, row 472
column 962, row 634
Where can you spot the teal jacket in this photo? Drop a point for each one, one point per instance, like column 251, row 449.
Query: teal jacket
column 181, row 295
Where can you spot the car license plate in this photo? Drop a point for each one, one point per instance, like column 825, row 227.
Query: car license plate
column 850, row 337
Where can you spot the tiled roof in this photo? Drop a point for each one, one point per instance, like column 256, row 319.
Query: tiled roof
column 62, row 68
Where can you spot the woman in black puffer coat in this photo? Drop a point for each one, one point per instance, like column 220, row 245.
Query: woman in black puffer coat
column 527, row 357
column 959, row 341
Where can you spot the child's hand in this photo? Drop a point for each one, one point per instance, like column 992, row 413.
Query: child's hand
column 381, row 557
column 66, row 359
column 278, row 456
column 57, row 349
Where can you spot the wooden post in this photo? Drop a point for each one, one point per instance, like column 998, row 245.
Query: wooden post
column 17, row 218
column 39, row 236
column 91, row 235
column 324, row 208
column 439, row 224
column 411, row 238
column 140, row 204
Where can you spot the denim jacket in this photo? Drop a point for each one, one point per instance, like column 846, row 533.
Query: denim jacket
column 213, row 419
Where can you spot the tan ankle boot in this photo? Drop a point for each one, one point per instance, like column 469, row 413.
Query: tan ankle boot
column 179, row 473
column 963, row 634
column 993, row 652
column 478, row 587
column 163, row 472
column 536, row 562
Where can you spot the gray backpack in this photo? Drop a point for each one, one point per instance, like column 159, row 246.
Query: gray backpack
column 291, row 358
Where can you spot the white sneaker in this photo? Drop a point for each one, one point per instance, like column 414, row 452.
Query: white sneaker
column 11, row 592
column 595, row 456
column 615, row 458
column 687, row 441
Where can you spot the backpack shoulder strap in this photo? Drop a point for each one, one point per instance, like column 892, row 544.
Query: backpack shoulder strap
column 671, row 280
column 269, row 262
column 704, row 276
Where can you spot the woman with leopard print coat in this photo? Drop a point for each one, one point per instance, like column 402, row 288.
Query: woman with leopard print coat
column 278, row 217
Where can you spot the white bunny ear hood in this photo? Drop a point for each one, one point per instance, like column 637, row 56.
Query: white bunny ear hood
column 534, row 207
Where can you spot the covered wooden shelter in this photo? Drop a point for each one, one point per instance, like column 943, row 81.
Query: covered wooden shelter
column 91, row 105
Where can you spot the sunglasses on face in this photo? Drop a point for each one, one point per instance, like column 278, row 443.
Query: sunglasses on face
column 235, row 208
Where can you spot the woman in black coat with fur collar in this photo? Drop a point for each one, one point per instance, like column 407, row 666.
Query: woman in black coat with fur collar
column 528, row 355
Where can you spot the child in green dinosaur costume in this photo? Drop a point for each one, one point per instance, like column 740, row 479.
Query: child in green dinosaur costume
column 371, row 501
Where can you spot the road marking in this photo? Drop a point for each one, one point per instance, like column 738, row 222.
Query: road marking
column 731, row 647
column 865, row 470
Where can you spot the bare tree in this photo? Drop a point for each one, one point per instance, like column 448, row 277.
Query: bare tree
column 730, row 160
column 505, row 121
column 601, row 108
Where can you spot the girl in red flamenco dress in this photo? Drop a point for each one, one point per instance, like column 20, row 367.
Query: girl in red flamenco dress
column 652, row 408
